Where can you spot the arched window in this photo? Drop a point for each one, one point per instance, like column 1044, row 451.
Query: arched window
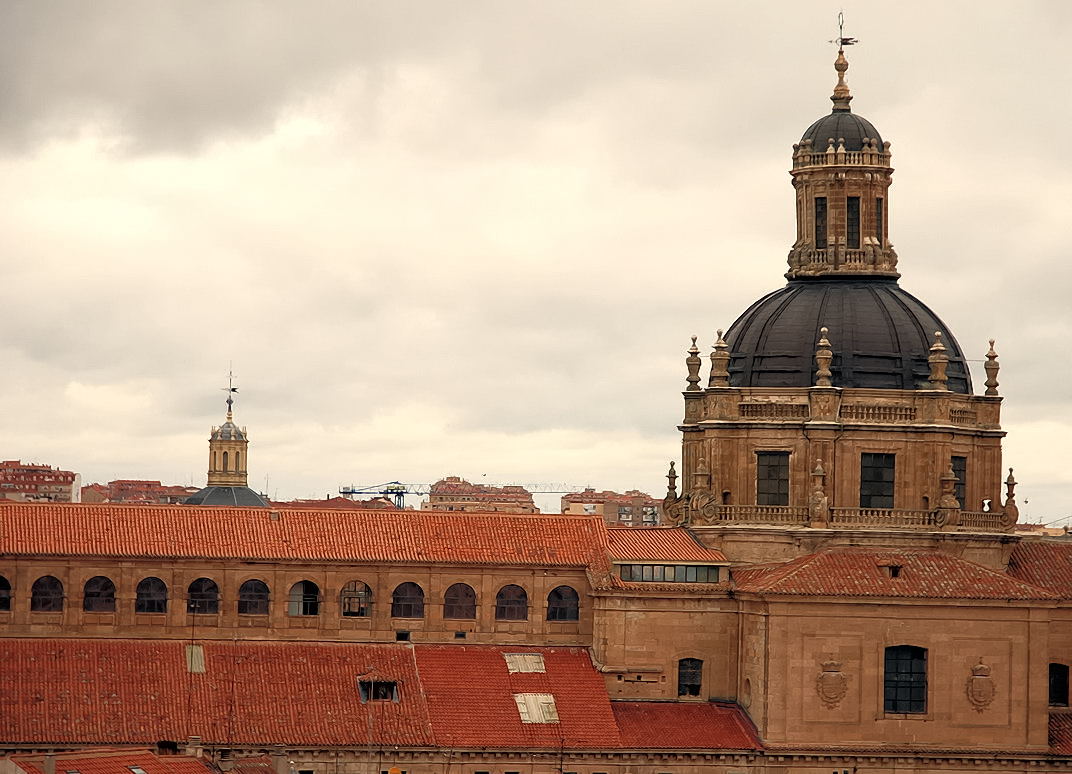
column 98, row 595
column 225, row 460
column 150, row 596
column 304, row 599
column 407, row 601
column 511, row 604
column 46, row 595
column 459, row 601
column 5, row 594
column 253, row 598
column 563, row 604
column 689, row 677
column 203, row 596
column 355, row 600
column 1058, row 685
column 905, row 682
column 237, row 459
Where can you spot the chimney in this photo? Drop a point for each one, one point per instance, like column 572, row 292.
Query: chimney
column 193, row 746
column 50, row 763
column 226, row 761
column 279, row 760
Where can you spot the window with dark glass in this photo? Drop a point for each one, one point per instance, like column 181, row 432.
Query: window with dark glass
column 304, row 599
column 879, row 215
column 5, row 593
column 876, row 480
column 1058, row 685
column 459, row 601
column 563, row 604
column 960, row 470
column 98, row 595
column 253, row 598
column 820, row 222
column 203, row 596
column 150, row 596
column 46, row 595
column 852, row 222
column 355, row 600
column 679, row 573
column 689, row 676
column 905, row 680
column 378, row 690
column 772, row 478
column 407, row 601
column 511, row 604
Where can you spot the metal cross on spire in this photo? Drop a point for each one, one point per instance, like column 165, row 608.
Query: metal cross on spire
column 841, row 40
column 230, row 389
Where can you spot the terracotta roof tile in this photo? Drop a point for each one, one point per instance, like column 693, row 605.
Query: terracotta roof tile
column 113, row 761
column 679, row 725
column 178, row 531
column 1045, row 563
column 859, row 572
column 1061, row 734
column 672, row 544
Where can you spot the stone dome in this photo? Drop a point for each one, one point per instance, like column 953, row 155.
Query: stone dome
column 228, row 431
column 880, row 336
column 841, row 124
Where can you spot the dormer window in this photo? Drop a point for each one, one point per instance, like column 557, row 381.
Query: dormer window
column 378, row 690
column 894, row 570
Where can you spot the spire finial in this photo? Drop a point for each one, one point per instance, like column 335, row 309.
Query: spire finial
column 824, row 356
column 991, row 367
column 720, row 359
column 693, row 364
column 841, row 97
column 231, row 390
column 938, row 360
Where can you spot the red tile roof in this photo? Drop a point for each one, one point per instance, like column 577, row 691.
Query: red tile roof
column 1061, row 734
column 112, row 761
column 673, row 544
column 61, row 692
column 860, row 572
column 180, row 531
column 1045, row 563
column 679, row 725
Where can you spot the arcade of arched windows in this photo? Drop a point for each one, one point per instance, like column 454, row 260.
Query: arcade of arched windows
column 357, row 603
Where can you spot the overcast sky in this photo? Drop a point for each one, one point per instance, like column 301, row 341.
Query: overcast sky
column 474, row 238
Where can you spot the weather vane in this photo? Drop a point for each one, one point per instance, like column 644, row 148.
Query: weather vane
column 841, row 40
column 230, row 389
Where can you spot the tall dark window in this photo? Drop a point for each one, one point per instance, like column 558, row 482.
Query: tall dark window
column 905, row 680
column 98, row 595
column 960, row 470
column 511, row 604
column 459, row 602
column 879, row 215
column 46, row 595
column 563, row 604
column 820, row 222
column 876, row 480
column 253, row 598
column 203, row 596
column 407, row 601
column 852, row 222
column 689, row 676
column 355, row 599
column 5, row 593
column 304, row 599
column 772, row 478
column 150, row 596
column 1058, row 685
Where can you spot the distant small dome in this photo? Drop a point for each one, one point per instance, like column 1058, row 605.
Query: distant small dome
column 228, row 431
column 841, row 124
column 880, row 336
column 234, row 496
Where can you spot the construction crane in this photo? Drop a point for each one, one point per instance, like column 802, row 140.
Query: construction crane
column 396, row 491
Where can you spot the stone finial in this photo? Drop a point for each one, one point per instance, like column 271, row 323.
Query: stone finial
column 991, row 367
column 949, row 487
column 823, row 357
column 693, row 363
column 939, row 361
column 720, row 364
column 1012, row 513
column 818, row 503
column 841, row 96
column 671, row 487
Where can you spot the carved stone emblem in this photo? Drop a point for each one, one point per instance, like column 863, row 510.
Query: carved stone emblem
column 831, row 684
column 980, row 687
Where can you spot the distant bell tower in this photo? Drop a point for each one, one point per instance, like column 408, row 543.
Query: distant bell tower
column 227, row 447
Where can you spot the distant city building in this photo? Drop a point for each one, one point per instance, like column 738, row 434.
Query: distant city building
column 629, row 509
column 339, row 503
column 1045, row 530
column 227, row 466
column 32, row 482
column 136, row 491
column 456, row 494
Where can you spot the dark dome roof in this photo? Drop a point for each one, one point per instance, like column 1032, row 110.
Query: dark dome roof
column 228, row 431
column 880, row 336
column 841, row 123
column 227, row 495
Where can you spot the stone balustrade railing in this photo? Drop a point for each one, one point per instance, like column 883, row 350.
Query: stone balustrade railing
column 882, row 517
column 826, row 158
